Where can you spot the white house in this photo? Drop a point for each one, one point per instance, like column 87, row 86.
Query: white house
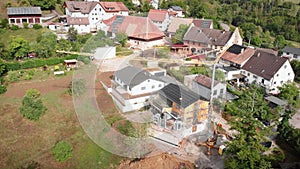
column 94, row 11
column 291, row 53
column 160, row 18
column 133, row 87
column 178, row 10
column 81, row 24
column 268, row 70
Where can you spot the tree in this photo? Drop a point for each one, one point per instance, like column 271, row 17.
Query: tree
column 18, row 47
column 280, row 42
column 246, row 149
column 46, row 44
column 178, row 37
column 296, row 67
column 72, row 34
column 121, row 38
column 32, row 107
column 44, row 4
column 289, row 92
column 62, row 151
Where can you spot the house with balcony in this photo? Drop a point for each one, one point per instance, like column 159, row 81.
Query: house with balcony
column 177, row 109
column 20, row 15
column 132, row 88
column 268, row 70
column 202, row 40
column 160, row 18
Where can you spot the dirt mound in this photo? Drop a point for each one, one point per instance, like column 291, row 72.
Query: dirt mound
column 162, row 161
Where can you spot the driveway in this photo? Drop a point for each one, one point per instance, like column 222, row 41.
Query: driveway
column 295, row 120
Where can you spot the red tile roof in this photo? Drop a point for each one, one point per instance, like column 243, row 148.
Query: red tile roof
column 136, row 27
column 78, row 21
column 113, row 6
column 157, row 15
column 243, row 55
column 264, row 64
column 109, row 21
column 81, row 6
column 205, row 81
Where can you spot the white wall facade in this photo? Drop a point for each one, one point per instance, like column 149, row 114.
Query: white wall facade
column 291, row 56
column 283, row 75
column 147, row 86
column 146, row 45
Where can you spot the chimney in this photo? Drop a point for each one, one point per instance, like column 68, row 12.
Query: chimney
column 242, row 50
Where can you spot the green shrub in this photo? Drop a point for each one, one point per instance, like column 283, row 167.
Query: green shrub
column 2, row 89
column 14, row 27
column 12, row 66
column 32, row 107
column 25, row 25
column 37, row 26
column 84, row 59
column 63, row 151
column 13, row 76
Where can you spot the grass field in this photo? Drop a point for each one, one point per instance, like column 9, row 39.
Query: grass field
column 25, row 142
column 28, row 34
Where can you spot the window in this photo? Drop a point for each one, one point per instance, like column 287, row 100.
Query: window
column 248, row 74
column 215, row 92
column 159, row 85
column 277, row 75
column 281, row 82
column 222, row 90
column 255, row 77
column 289, row 74
column 295, row 56
column 143, row 88
column 285, row 66
column 153, row 86
column 274, row 82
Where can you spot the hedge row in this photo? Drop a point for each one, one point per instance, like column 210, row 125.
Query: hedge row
column 34, row 63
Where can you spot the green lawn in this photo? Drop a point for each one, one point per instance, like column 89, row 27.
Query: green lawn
column 28, row 34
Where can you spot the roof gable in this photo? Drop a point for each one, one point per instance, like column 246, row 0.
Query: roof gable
column 158, row 15
column 113, row 6
column 84, row 7
column 292, row 50
column 202, row 23
column 133, row 76
column 205, row 81
column 238, row 54
column 207, row 36
column 179, row 94
column 136, row 27
column 264, row 64
column 24, row 11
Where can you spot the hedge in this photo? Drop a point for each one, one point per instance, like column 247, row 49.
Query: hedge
column 34, row 63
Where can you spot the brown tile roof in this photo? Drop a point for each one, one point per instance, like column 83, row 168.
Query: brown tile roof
column 238, row 54
column 78, row 21
column 136, row 27
column 205, row 81
column 157, row 15
column 264, row 64
column 113, row 6
column 207, row 36
column 202, row 23
column 176, row 22
column 81, row 6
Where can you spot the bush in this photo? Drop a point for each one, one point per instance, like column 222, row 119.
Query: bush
column 84, row 59
column 14, row 27
column 62, row 151
column 36, row 26
column 25, row 25
column 2, row 89
column 13, row 76
column 32, row 107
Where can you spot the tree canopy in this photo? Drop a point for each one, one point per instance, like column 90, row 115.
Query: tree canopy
column 32, row 107
column 44, row 4
column 178, row 37
column 18, row 48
